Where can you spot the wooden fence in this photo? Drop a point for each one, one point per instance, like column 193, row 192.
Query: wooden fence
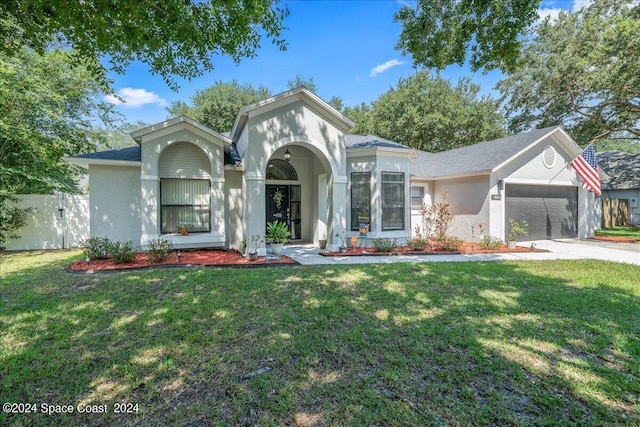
column 615, row 212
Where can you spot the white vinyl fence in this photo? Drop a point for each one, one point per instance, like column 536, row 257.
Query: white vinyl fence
column 59, row 221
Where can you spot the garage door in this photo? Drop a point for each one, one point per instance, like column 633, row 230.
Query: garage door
column 550, row 211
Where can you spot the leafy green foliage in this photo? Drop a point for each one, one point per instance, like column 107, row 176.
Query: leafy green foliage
column 217, row 106
column 96, row 247
column 438, row 33
column 47, row 110
column 159, row 250
column 382, row 244
column 581, row 71
column 122, row 252
column 12, row 218
column 173, row 37
column 451, row 243
column 517, row 229
column 430, row 114
column 277, row 232
column 489, row 242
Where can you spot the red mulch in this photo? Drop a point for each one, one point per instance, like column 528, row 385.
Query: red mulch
column 616, row 239
column 204, row 257
column 405, row 250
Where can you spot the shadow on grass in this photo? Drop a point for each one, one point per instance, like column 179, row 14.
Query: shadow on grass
column 401, row 344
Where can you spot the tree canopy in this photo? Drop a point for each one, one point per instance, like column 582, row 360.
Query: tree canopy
column 581, row 70
column 217, row 106
column 429, row 113
column 48, row 109
column 173, row 37
column 438, row 33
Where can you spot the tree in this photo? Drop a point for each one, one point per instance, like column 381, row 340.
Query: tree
column 298, row 80
column 581, row 71
column 47, row 110
column 173, row 37
column 217, row 106
column 438, row 33
column 429, row 113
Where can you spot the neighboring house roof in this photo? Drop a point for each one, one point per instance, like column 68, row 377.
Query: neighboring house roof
column 482, row 158
column 623, row 170
column 368, row 141
column 285, row 97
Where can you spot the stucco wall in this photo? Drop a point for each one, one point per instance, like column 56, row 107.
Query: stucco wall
column 633, row 199
column 469, row 201
column 47, row 226
column 115, row 202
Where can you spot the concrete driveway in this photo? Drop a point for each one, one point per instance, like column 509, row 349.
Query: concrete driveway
column 591, row 249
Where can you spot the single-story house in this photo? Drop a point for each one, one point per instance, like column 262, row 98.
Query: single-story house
column 623, row 171
column 290, row 158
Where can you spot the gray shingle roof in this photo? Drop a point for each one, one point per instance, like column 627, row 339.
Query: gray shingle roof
column 477, row 158
column 131, row 154
column 623, row 170
column 362, row 141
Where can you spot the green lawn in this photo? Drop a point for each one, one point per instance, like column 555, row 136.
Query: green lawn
column 513, row 343
column 620, row 231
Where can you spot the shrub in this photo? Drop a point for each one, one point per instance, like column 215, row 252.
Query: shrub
column 385, row 245
column 489, row 242
column 450, row 243
column 418, row 244
column 122, row 252
column 437, row 219
column 96, row 247
column 277, row 232
column 159, row 250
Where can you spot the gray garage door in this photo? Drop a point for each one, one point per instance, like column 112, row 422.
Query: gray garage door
column 550, row 211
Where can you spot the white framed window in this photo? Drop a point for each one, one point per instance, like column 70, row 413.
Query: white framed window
column 185, row 201
column 393, row 201
column 360, row 199
column 417, row 196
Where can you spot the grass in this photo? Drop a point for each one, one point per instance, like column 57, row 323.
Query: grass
column 620, row 231
column 513, row 343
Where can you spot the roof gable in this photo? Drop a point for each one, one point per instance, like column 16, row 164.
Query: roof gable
column 179, row 122
column 284, row 98
column 485, row 157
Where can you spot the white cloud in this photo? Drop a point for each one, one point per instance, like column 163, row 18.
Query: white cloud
column 553, row 12
column 384, row 67
column 135, row 98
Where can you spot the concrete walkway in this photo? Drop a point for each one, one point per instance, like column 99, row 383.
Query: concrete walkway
column 558, row 249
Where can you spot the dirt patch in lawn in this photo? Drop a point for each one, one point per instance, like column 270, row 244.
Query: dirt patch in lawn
column 616, row 239
column 466, row 248
column 201, row 257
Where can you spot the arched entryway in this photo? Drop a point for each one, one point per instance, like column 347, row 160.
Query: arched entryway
column 284, row 196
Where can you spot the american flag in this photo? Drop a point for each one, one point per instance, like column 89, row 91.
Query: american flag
column 586, row 166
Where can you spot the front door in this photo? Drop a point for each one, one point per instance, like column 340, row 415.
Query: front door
column 283, row 204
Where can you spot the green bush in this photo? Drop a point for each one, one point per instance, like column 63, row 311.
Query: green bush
column 159, row 250
column 417, row 244
column 122, row 252
column 277, row 232
column 385, row 245
column 96, row 247
column 489, row 242
column 450, row 243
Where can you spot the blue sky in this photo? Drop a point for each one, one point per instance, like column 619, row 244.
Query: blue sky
column 347, row 46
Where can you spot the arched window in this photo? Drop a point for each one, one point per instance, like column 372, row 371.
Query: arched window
column 280, row 169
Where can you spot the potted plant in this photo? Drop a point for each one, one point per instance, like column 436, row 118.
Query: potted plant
column 277, row 234
column 183, row 229
column 254, row 245
column 517, row 229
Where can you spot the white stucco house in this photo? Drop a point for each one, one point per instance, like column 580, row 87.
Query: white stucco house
column 290, row 158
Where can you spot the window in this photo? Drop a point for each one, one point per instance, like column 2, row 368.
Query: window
column 185, row 201
column 280, row 169
column 417, row 197
column 392, row 201
column 360, row 199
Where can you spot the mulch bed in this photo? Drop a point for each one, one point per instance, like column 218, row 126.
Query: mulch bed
column 616, row 239
column 200, row 257
column 405, row 250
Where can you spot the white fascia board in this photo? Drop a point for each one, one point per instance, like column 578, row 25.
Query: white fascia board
column 456, row 176
column 139, row 135
column 381, row 151
column 82, row 162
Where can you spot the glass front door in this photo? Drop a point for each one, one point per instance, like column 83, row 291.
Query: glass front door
column 283, row 204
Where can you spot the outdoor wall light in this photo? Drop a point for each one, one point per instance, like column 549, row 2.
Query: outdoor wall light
column 287, row 155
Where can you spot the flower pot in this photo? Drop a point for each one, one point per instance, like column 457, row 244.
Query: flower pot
column 276, row 248
column 323, row 244
column 253, row 256
column 343, row 249
column 184, row 233
column 511, row 244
